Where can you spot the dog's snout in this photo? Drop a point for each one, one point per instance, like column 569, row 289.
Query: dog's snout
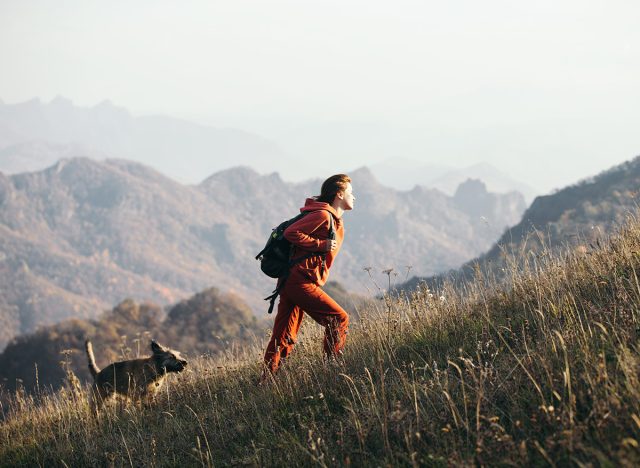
column 183, row 362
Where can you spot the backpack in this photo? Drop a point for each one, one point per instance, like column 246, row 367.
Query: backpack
column 275, row 258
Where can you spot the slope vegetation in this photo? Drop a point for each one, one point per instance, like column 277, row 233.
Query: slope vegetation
column 544, row 371
column 207, row 323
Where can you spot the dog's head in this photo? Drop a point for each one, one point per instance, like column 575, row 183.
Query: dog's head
column 168, row 359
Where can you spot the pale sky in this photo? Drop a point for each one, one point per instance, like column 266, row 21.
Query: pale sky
column 548, row 91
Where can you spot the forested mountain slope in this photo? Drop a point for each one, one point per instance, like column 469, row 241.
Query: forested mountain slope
column 83, row 235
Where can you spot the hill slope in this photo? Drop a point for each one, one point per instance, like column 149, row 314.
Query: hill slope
column 209, row 322
column 545, row 372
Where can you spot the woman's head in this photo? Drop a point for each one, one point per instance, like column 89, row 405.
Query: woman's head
column 337, row 185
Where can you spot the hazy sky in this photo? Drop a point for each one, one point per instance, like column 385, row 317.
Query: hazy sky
column 549, row 91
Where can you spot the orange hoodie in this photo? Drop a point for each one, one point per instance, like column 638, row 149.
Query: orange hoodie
column 310, row 234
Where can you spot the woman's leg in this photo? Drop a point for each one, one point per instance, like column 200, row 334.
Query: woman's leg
column 324, row 310
column 285, row 330
column 293, row 327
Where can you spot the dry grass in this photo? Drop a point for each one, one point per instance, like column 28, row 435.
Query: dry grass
column 544, row 370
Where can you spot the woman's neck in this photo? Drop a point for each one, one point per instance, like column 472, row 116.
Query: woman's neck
column 337, row 205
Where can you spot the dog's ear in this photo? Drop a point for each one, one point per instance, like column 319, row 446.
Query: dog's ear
column 156, row 348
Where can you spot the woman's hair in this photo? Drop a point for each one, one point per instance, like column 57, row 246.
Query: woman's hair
column 331, row 187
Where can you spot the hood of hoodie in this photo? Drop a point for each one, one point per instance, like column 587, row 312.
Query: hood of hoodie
column 311, row 204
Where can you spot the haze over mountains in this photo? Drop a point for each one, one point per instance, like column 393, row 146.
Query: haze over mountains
column 34, row 135
column 574, row 217
column 83, row 235
column 404, row 174
column 184, row 150
column 81, row 231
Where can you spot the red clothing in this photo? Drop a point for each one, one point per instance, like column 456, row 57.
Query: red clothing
column 295, row 300
column 310, row 234
column 302, row 293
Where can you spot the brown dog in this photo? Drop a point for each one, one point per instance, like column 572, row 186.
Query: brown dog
column 136, row 379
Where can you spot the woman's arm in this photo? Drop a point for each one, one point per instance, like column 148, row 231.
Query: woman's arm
column 301, row 232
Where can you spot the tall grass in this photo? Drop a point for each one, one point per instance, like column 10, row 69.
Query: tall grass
column 541, row 370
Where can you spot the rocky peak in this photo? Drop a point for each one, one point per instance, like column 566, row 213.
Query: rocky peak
column 363, row 176
column 472, row 197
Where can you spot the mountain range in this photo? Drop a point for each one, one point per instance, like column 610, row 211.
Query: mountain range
column 83, row 235
column 404, row 174
column 574, row 217
column 34, row 135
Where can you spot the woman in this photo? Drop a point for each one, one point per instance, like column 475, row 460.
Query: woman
column 302, row 291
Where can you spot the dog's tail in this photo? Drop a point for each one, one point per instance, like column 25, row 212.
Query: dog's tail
column 92, row 360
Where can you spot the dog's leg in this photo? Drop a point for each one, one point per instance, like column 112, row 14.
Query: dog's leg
column 93, row 404
column 97, row 397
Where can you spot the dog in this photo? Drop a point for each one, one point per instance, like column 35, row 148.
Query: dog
column 135, row 379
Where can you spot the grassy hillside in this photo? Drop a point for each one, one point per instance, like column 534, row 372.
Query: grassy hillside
column 543, row 372
column 206, row 323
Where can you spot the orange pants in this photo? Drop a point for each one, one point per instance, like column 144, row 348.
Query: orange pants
column 296, row 299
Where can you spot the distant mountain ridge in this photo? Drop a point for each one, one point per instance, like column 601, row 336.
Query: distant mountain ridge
column 404, row 174
column 179, row 149
column 34, row 135
column 82, row 235
column 495, row 180
column 574, row 216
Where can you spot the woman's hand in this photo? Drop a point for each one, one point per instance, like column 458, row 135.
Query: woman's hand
column 332, row 244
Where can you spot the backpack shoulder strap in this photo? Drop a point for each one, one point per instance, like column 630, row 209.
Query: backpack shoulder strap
column 332, row 232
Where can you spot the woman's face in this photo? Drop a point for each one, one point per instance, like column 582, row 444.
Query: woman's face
column 348, row 198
